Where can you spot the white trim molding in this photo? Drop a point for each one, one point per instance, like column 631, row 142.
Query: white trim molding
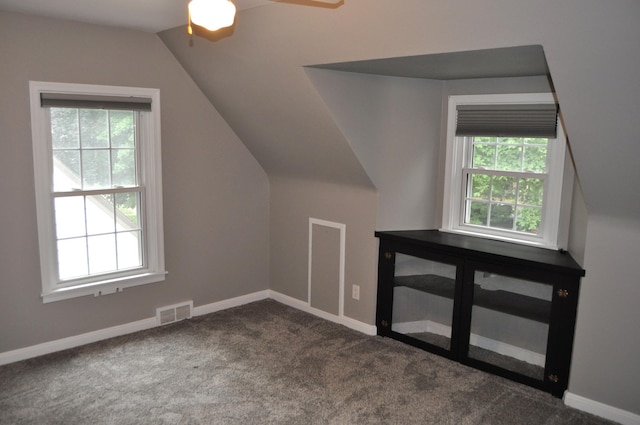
column 148, row 186
column 457, row 160
column 75, row 341
column 348, row 322
column 140, row 325
column 615, row 414
column 231, row 303
column 342, row 228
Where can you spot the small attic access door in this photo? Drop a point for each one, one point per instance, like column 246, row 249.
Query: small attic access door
column 326, row 266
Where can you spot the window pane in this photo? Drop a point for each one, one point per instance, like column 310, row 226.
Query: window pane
column 94, row 128
column 96, row 169
column 102, row 253
column 530, row 191
column 509, row 158
column 480, row 186
column 129, row 250
column 123, row 162
column 529, row 219
column 510, row 140
column 535, row 141
column 502, row 216
column 100, row 214
column 478, row 213
column 535, row 159
column 70, row 219
column 72, row 258
column 122, row 129
column 66, row 170
column 64, row 128
column 483, row 155
column 127, row 211
column 504, row 189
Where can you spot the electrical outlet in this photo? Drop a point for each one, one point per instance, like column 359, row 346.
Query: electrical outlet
column 355, row 292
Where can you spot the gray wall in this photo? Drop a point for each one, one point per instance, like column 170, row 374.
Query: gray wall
column 293, row 202
column 393, row 126
column 215, row 193
column 607, row 347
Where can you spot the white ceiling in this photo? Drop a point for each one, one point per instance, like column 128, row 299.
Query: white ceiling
column 145, row 15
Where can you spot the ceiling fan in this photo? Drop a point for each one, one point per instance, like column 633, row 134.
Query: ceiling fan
column 216, row 14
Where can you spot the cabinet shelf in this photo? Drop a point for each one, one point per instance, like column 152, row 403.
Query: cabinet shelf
column 498, row 300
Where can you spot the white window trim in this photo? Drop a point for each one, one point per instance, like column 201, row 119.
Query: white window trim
column 151, row 176
column 454, row 184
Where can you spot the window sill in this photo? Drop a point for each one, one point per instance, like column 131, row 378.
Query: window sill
column 106, row 287
column 538, row 244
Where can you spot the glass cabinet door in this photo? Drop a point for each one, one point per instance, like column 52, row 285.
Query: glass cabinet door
column 510, row 323
column 423, row 299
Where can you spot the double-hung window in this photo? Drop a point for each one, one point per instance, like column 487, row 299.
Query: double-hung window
column 97, row 165
column 505, row 162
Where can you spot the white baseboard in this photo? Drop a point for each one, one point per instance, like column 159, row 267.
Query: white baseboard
column 341, row 320
column 233, row 302
column 611, row 413
column 75, row 341
column 499, row 347
column 140, row 325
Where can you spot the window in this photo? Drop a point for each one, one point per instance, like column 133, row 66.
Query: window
column 505, row 163
column 98, row 187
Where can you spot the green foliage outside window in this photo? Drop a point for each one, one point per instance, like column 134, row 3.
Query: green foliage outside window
column 96, row 149
column 507, row 201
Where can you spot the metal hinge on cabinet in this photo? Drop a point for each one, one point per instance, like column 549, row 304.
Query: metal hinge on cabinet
column 553, row 378
column 388, row 255
column 563, row 293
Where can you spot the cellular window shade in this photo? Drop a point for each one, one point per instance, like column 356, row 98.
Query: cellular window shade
column 535, row 120
column 66, row 100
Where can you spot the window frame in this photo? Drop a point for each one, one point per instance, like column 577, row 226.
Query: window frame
column 153, row 268
column 456, row 163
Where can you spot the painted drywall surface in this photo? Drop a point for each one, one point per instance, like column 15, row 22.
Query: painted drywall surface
column 393, row 126
column 607, row 348
column 215, row 193
column 252, row 101
column 256, row 72
column 293, row 202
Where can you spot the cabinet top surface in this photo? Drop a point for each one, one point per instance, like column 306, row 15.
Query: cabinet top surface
column 485, row 248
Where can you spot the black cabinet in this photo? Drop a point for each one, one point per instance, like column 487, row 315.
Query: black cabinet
column 505, row 308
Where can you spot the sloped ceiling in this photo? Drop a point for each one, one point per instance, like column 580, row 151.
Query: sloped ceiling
column 143, row 15
column 254, row 75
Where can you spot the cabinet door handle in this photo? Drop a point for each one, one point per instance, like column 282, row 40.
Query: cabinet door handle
column 388, row 255
column 563, row 293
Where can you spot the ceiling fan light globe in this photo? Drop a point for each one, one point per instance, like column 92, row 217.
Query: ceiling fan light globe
column 212, row 14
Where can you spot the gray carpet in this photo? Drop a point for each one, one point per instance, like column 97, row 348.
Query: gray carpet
column 264, row 363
